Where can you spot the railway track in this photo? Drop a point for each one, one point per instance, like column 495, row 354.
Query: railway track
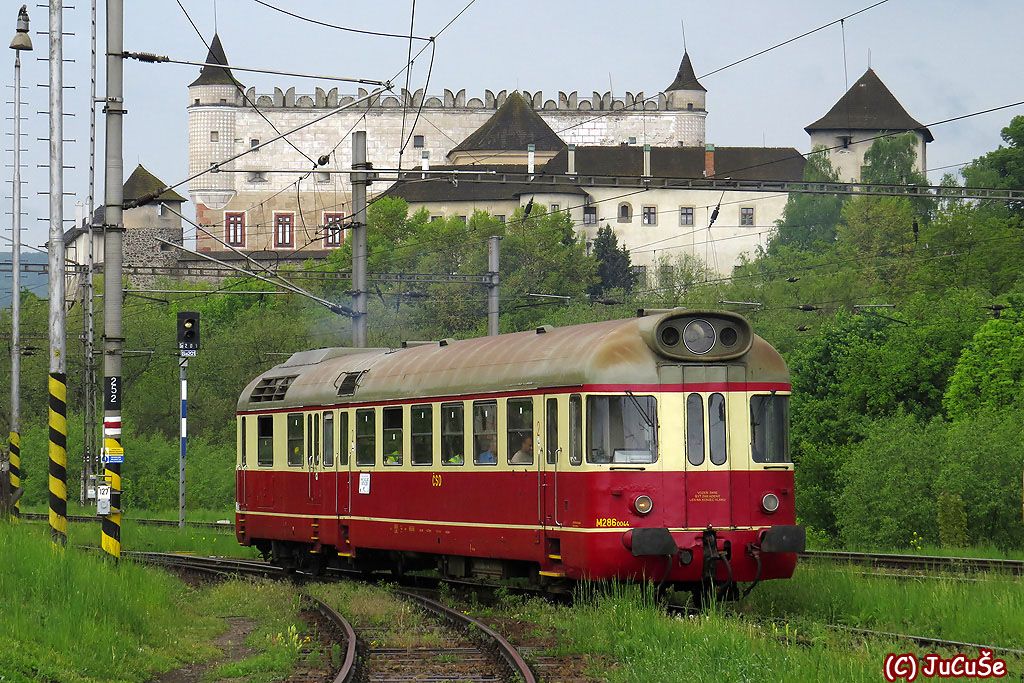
column 462, row 648
column 919, row 562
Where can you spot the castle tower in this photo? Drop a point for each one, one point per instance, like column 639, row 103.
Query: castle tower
column 506, row 136
column 868, row 109
column 686, row 93
column 214, row 99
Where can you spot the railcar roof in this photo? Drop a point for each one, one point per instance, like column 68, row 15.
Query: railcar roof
column 611, row 352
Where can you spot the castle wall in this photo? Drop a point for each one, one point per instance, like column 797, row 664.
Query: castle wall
column 849, row 160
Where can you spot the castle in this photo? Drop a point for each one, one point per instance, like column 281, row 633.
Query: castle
column 278, row 199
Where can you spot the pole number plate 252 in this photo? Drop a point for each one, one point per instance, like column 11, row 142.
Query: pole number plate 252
column 112, row 393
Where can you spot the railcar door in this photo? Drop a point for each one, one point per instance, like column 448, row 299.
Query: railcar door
column 549, row 450
column 243, row 453
column 708, row 467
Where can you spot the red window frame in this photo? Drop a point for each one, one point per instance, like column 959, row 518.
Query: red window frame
column 284, row 220
column 334, row 237
column 234, row 228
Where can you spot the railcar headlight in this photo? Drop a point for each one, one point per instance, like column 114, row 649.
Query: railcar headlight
column 770, row 502
column 669, row 336
column 643, row 504
column 698, row 336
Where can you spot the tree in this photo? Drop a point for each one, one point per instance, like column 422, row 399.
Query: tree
column 613, row 267
column 990, row 372
column 1002, row 167
column 809, row 220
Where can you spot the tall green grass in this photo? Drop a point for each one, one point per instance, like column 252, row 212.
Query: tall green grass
column 988, row 609
column 75, row 617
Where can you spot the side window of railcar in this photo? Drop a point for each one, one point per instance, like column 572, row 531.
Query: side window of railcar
column 422, row 434
column 623, row 429
column 295, row 439
column 265, row 440
column 343, row 443
column 575, row 430
column 328, row 439
column 716, row 429
column 769, row 426
column 551, row 433
column 695, row 429
column 393, row 429
column 520, row 431
column 244, row 438
column 366, row 437
column 453, row 427
column 485, row 432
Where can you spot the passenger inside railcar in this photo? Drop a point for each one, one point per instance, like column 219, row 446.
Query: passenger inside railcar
column 524, row 456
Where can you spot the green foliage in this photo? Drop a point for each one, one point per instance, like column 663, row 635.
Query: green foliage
column 952, row 520
column 891, row 161
column 1002, row 167
column 613, row 269
column 809, row 220
column 990, row 372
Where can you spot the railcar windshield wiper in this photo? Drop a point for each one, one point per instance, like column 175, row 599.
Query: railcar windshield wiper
column 640, row 409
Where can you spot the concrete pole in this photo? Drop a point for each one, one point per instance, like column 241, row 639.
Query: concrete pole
column 88, row 303
column 58, row 382
column 359, row 239
column 113, row 228
column 493, row 299
column 22, row 41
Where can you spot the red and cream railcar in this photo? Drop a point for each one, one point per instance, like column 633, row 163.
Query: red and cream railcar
column 654, row 447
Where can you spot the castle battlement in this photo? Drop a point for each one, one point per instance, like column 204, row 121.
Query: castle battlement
column 456, row 100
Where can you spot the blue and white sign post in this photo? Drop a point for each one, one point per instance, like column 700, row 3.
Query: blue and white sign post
column 188, row 346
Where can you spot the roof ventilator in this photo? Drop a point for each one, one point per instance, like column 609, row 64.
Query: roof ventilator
column 349, row 380
column 271, row 389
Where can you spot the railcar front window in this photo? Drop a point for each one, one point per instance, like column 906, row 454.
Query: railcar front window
column 622, row 429
column 695, row 429
column 265, row 440
column 295, row 438
column 245, row 437
column 716, row 429
column 392, row 436
column 769, row 423
column 366, row 437
column 575, row 430
column 453, row 428
column 422, row 435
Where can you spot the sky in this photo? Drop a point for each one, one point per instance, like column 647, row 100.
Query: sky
column 940, row 58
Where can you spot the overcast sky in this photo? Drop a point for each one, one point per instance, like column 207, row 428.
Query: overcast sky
column 940, row 59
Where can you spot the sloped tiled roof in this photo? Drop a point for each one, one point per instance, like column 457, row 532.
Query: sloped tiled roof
column 736, row 163
column 141, row 183
column 215, row 75
column 514, row 126
column 686, row 79
column 869, row 105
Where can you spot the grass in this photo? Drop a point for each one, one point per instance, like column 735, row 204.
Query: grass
column 393, row 621
column 197, row 515
column 988, row 610
column 78, row 618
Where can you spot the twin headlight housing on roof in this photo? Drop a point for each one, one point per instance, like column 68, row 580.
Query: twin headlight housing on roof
column 699, row 335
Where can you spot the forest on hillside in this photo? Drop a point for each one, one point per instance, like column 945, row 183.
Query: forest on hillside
column 902, row 321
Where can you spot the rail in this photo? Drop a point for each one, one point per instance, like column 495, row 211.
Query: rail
column 925, row 562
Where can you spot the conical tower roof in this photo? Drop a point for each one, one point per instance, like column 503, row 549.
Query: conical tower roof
column 869, row 105
column 686, row 79
column 215, row 75
column 514, row 126
column 142, row 183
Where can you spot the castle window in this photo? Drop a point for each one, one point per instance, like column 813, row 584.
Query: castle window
column 500, row 217
column 223, row 101
column 845, row 140
column 436, row 218
column 214, row 136
column 685, row 215
column 625, row 212
column 195, row 101
column 334, row 234
column 322, row 177
column 234, row 228
column 555, row 208
column 650, row 215
column 747, row 216
column 418, row 142
column 257, row 176
column 254, row 142
column 283, row 229
column 589, row 215
column 689, row 106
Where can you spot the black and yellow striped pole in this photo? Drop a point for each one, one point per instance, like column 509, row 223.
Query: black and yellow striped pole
column 58, row 385
column 14, row 443
column 58, row 480
column 113, row 452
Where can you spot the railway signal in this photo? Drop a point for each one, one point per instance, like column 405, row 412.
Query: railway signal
column 188, row 333
column 188, row 347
